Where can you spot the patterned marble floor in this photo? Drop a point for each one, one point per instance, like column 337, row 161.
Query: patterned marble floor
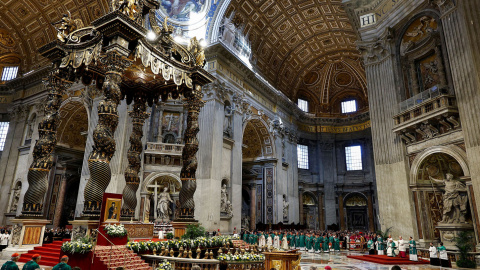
column 340, row 261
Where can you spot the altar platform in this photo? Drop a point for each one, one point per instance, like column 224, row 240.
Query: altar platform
column 383, row 259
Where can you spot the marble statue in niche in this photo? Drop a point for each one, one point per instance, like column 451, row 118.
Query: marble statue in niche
column 163, row 206
column 15, row 198
column 227, row 122
column 147, row 209
column 285, row 208
column 225, row 204
column 454, row 200
column 245, row 223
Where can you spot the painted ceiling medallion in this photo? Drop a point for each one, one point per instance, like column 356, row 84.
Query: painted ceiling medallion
column 184, row 11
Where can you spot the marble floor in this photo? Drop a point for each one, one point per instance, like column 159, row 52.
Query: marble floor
column 340, row 261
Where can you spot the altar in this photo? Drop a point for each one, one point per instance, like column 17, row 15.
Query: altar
column 139, row 230
column 283, row 260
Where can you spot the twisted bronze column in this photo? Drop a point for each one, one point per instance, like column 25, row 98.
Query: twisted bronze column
column 43, row 150
column 189, row 168
column 134, row 159
column 103, row 135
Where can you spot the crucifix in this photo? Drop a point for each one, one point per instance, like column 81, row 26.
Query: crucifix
column 155, row 186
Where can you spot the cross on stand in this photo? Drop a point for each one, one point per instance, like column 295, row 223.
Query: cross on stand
column 156, row 187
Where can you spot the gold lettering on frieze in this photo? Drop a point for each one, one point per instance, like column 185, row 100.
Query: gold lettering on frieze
column 335, row 129
column 6, row 99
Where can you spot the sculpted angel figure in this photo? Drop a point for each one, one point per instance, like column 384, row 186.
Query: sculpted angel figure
column 66, row 25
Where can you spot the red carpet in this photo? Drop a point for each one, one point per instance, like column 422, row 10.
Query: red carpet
column 383, row 259
column 50, row 254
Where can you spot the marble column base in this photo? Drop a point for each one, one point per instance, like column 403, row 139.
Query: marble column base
column 448, row 232
column 86, row 226
column 32, row 231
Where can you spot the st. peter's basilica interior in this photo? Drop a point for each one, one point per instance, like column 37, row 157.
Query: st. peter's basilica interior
column 239, row 134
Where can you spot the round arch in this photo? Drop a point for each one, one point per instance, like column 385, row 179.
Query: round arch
column 452, row 150
column 258, row 139
column 73, row 122
column 354, row 194
column 155, row 175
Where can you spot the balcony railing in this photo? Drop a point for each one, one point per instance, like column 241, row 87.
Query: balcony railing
column 164, row 154
column 433, row 113
column 422, row 97
column 164, row 148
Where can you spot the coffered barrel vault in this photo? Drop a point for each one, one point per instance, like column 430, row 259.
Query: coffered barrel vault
column 305, row 49
column 29, row 23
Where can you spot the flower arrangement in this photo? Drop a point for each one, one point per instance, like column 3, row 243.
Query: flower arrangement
column 246, row 257
column 83, row 245
column 199, row 242
column 165, row 265
column 115, row 230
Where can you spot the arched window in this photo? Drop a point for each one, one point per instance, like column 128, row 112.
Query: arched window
column 349, row 106
column 303, row 104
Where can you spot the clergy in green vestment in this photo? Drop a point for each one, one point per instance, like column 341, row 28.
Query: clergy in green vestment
column 33, row 264
column 336, row 243
column 245, row 237
column 302, row 241
column 12, row 264
column 325, row 244
column 412, row 251
column 308, row 242
column 316, row 246
column 297, row 240
column 255, row 239
column 63, row 264
column 380, row 245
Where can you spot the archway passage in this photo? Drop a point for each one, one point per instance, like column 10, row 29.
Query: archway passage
column 69, row 151
column 310, row 211
column 258, row 173
column 357, row 214
column 154, row 200
column 429, row 193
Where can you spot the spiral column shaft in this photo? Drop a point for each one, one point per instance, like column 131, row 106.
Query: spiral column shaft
column 134, row 159
column 43, row 156
column 103, row 135
column 189, row 168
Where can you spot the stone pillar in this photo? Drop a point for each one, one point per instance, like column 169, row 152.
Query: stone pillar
column 10, row 154
column 371, row 218
column 253, row 206
column 43, row 157
column 104, row 142
column 321, row 214
column 391, row 168
column 341, row 211
column 132, row 179
column 60, row 201
column 300, row 205
column 460, row 25
column 189, row 168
